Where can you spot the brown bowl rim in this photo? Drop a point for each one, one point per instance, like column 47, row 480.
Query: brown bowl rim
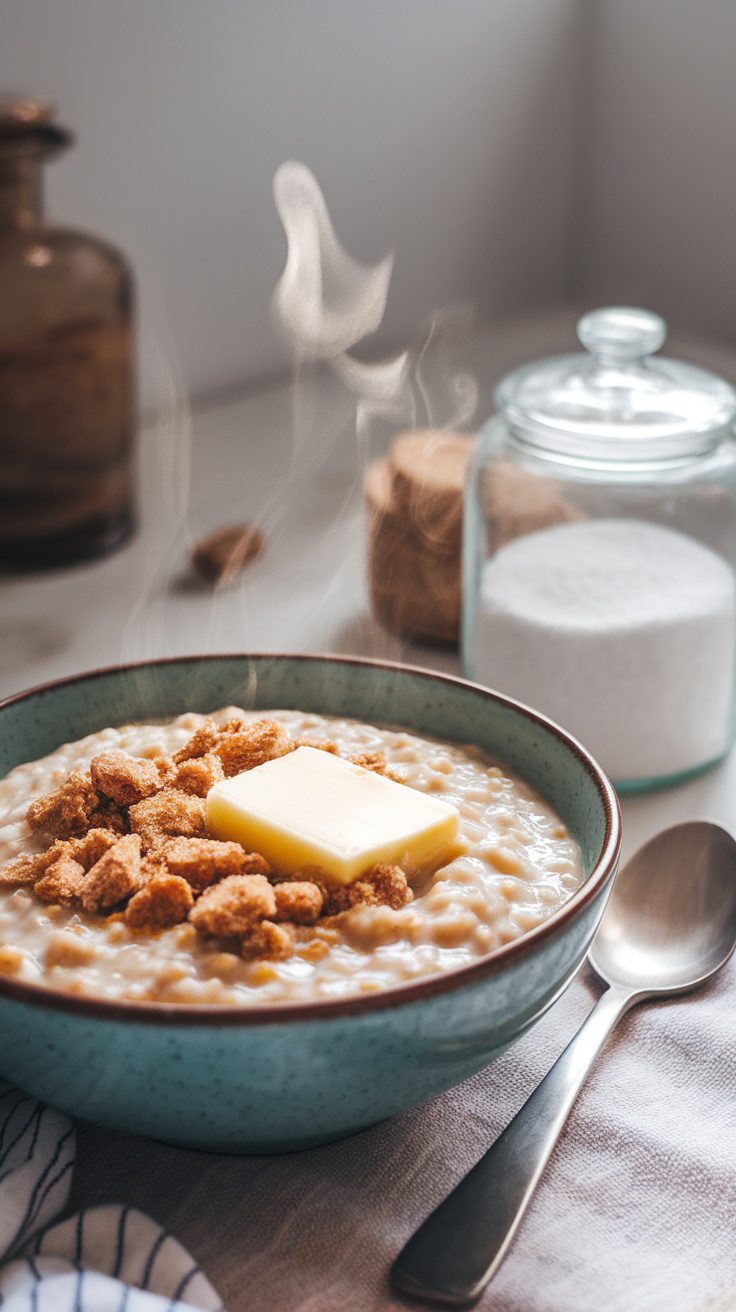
column 334, row 1008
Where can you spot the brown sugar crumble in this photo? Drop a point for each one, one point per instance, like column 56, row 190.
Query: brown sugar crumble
column 63, row 881
column 299, row 900
column 67, row 810
column 203, row 861
column 234, row 906
column 164, row 901
column 27, row 869
column 126, row 779
column 199, row 774
column 253, row 745
column 168, row 814
column 384, row 885
column 95, row 844
column 376, row 761
column 128, row 840
column 201, row 742
column 320, row 744
column 267, row 942
column 114, row 877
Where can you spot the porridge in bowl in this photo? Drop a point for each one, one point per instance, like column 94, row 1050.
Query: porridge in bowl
column 124, row 875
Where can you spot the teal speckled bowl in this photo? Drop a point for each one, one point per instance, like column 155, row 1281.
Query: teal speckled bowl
column 279, row 1077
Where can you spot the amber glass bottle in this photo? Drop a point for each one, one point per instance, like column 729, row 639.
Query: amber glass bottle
column 67, row 405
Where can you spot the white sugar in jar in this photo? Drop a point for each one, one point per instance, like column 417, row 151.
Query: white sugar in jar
column 599, row 551
column 622, row 631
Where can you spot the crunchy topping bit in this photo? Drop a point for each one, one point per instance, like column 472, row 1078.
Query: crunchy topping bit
column 384, row 885
column 164, row 901
column 63, row 881
column 123, row 778
column 253, row 745
column 66, row 811
column 166, row 769
column 114, row 877
column 199, row 744
column 167, row 814
column 376, row 761
column 299, row 900
column 28, row 867
column 340, row 897
column 21, row 870
column 267, row 942
column 255, row 864
column 321, row 744
column 108, row 815
column 390, row 886
column 89, row 849
column 203, row 861
column 234, row 906
column 234, row 725
column 199, row 774
column 154, row 863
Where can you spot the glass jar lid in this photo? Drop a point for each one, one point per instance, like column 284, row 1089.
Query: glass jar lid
column 615, row 402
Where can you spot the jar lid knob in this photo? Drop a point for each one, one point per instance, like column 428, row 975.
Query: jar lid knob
column 621, row 334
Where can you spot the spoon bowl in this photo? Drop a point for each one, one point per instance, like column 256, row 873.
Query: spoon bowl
column 670, row 921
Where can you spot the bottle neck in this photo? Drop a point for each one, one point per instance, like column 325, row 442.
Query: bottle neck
column 21, row 194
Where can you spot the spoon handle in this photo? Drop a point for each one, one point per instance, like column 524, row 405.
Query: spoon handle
column 453, row 1255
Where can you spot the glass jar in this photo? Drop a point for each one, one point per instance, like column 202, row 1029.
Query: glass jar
column 599, row 551
column 66, row 366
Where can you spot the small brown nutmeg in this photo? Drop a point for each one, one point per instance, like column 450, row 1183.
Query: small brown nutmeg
column 220, row 557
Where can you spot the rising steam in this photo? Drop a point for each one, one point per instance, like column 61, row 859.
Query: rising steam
column 326, row 304
column 325, row 301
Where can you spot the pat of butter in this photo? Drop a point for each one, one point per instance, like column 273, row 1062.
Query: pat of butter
column 311, row 808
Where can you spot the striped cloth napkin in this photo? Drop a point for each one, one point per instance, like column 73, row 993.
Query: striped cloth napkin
column 104, row 1259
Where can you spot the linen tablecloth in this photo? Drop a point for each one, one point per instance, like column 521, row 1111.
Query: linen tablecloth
column 635, row 1213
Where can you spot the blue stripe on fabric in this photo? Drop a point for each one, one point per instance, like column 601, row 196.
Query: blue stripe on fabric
column 49, row 1188
column 36, row 1281
column 79, row 1238
column 195, row 1271
column 38, row 1112
column 37, row 1130
column 124, row 1299
column 78, row 1293
column 152, row 1258
column 120, row 1249
column 33, row 1203
column 7, row 1121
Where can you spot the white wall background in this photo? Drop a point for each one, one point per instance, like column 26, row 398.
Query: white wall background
column 518, row 154
column 658, row 183
column 441, row 128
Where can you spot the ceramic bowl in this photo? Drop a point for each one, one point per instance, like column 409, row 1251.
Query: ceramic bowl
column 280, row 1077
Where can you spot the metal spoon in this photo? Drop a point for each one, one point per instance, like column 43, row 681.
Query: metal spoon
column 669, row 925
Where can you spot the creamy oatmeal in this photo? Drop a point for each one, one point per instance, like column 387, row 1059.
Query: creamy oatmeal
column 516, row 864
